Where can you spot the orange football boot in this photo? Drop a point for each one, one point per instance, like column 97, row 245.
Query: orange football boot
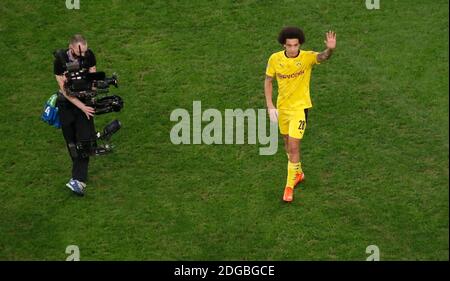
column 299, row 178
column 288, row 195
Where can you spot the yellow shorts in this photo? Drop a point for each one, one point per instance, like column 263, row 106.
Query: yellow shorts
column 292, row 123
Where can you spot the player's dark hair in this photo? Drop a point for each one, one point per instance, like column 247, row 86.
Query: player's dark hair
column 291, row 32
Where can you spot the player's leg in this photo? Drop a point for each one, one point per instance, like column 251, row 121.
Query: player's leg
column 295, row 159
column 297, row 126
column 283, row 126
column 286, row 148
column 302, row 120
column 294, row 149
column 293, row 169
column 286, row 145
column 297, row 129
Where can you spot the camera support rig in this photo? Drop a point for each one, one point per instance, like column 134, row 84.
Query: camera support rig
column 93, row 88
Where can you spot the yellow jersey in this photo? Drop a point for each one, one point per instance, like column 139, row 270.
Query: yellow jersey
column 293, row 77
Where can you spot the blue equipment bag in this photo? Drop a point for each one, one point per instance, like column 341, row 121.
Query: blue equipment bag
column 50, row 114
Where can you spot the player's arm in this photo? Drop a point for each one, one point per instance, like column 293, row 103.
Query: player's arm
column 268, row 90
column 330, row 42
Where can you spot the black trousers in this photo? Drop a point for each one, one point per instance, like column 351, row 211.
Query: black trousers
column 76, row 128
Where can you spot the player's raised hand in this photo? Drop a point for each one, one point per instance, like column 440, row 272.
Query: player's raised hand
column 331, row 40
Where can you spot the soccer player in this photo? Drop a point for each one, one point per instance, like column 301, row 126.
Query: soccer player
column 292, row 68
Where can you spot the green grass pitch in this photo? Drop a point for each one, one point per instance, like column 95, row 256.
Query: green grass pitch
column 375, row 152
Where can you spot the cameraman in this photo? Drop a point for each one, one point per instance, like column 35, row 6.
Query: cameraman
column 77, row 119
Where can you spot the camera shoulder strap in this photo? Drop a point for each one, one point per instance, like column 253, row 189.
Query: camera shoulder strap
column 60, row 55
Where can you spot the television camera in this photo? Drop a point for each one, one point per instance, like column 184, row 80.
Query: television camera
column 92, row 88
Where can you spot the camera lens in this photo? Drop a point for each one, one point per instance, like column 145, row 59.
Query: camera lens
column 111, row 128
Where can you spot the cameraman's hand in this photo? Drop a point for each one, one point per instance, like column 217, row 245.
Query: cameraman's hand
column 89, row 111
